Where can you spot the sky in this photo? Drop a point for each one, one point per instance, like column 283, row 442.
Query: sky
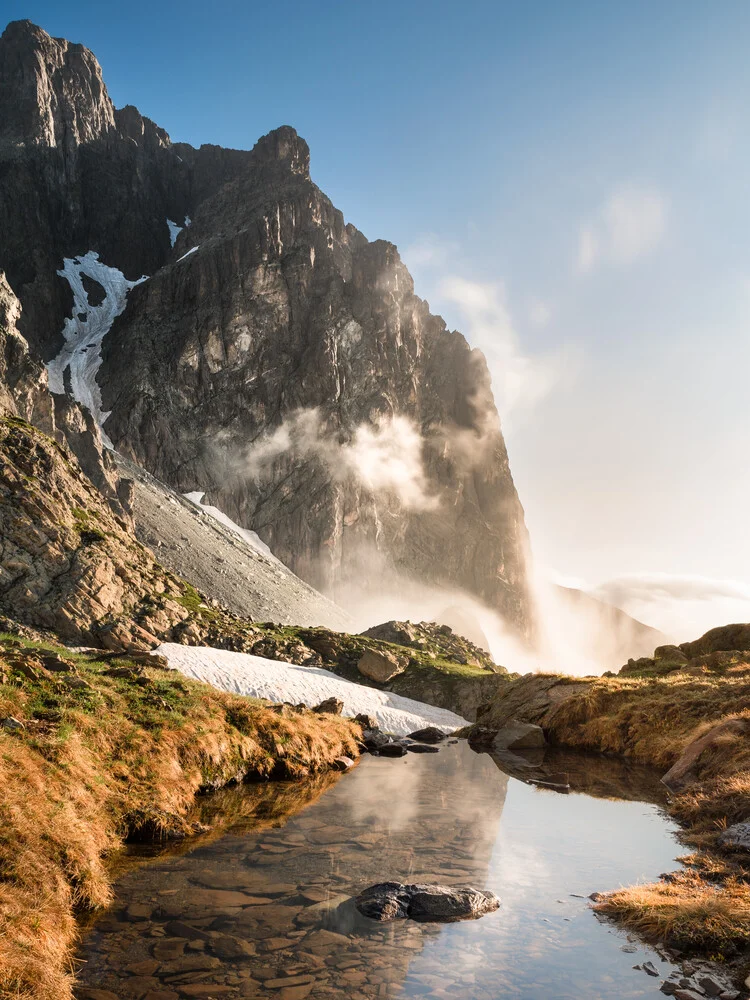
column 568, row 185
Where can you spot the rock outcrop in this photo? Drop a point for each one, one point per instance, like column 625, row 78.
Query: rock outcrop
column 434, row 640
column 67, row 563
column 310, row 393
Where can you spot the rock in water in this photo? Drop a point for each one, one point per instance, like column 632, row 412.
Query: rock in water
column 426, row 903
column 430, row 734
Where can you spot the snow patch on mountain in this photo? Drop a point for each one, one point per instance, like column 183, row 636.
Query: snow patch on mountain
column 84, row 331
column 218, row 515
column 174, row 231
column 242, row 673
column 191, row 250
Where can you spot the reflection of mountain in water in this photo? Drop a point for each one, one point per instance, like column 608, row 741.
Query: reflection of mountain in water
column 287, row 891
column 266, row 910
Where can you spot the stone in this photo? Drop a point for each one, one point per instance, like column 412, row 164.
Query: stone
column 374, row 739
column 392, row 750
column 343, row 763
column 380, row 666
column 710, row 986
column 331, row 706
column 189, row 963
column 687, row 995
column 277, row 984
column 425, row 902
column 317, row 912
column 422, row 748
column 161, row 995
column 295, row 992
column 138, row 911
column 145, row 968
column 180, row 929
column 12, row 724
column 735, row 837
column 519, row 736
column 205, row 991
column 169, row 949
column 430, row 734
column 220, row 898
column 685, row 769
column 227, row 946
column 87, row 993
column 367, row 721
column 650, row 969
column 137, row 986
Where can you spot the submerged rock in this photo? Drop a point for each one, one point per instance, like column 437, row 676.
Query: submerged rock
column 421, row 748
column 426, row 903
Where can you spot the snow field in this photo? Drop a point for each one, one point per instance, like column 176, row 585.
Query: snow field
column 242, row 673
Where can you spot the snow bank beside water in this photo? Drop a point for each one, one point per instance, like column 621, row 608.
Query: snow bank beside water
column 242, row 673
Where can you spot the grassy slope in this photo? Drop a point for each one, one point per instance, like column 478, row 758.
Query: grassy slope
column 97, row 762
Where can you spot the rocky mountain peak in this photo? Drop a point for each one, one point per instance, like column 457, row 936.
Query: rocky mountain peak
column 284, row 146
column 51, row 92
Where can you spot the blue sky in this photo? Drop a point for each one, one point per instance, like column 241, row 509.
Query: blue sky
column 568, row 183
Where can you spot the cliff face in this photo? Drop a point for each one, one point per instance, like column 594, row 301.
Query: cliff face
column 275, row 359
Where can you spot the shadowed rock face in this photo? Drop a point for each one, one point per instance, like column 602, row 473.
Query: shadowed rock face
column 283, row 316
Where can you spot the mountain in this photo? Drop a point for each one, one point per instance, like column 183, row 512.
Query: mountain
column 272, row 358
column 607, row 634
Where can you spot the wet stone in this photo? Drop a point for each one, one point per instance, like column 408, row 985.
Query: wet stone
column 169, row 949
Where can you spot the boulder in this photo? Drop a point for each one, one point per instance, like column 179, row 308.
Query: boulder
column 430, row 734
column 425, row 903
column 392, row 750
column 343, row 763
column 519, row 736
column 685, row 769
column 12, row 724
column 368, row 722
column 380, row 666
column 331, row 706
column 736, row 837
column 374, row 739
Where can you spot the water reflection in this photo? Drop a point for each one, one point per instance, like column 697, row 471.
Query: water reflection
column 264, row 912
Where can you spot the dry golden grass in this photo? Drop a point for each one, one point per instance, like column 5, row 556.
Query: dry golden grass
column 688, row 912
column 97, row 763
column 654, row 719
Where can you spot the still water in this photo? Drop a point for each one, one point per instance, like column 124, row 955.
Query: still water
column 264, row 909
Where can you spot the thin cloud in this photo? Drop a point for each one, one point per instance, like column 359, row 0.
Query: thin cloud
column 519, row 380
column 631, row 223
column 682, row 605
column 384, row 456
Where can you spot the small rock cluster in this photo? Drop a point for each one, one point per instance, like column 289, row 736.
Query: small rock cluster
column 381, row 744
